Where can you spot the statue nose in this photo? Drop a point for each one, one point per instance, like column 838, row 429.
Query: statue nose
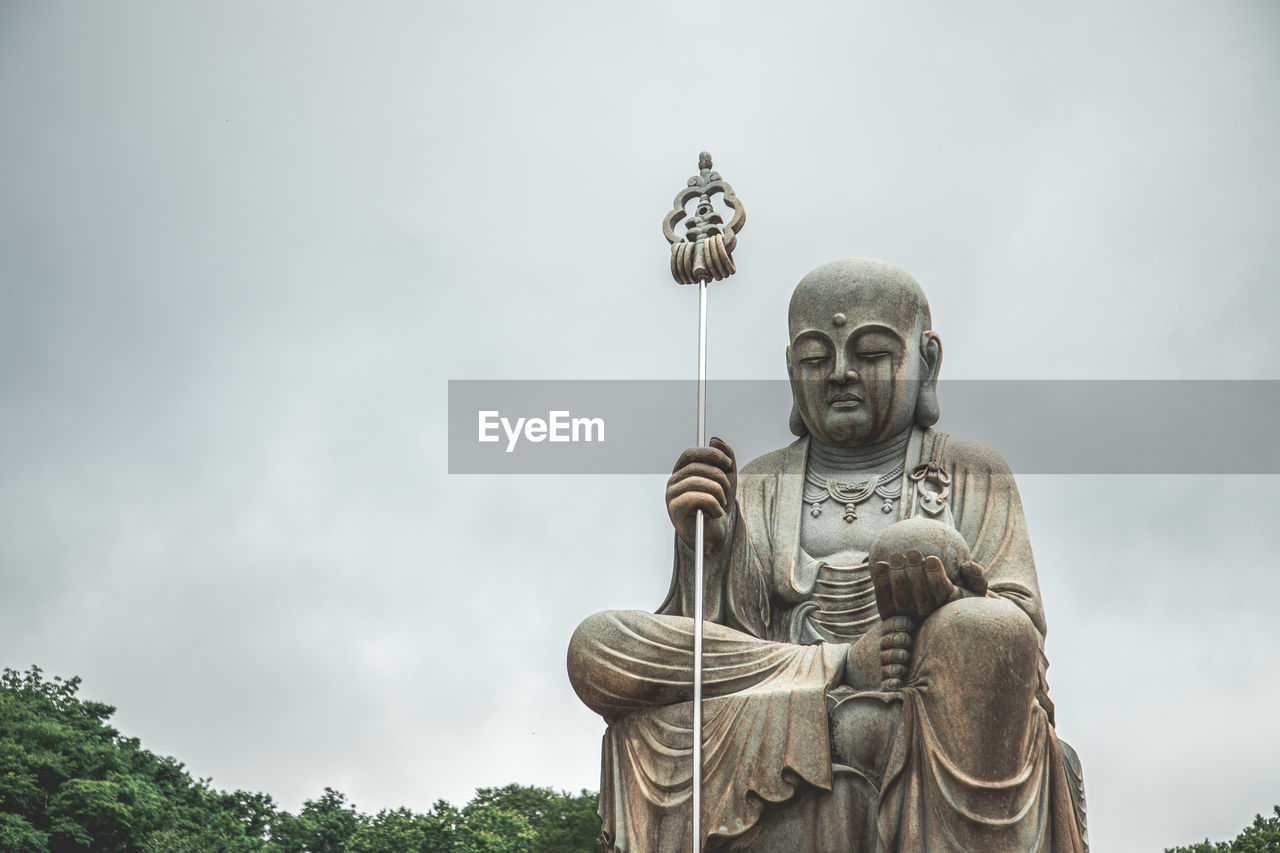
column 842, row 372
column 844, row 375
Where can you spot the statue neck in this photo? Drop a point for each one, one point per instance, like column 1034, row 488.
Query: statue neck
column 864, row 457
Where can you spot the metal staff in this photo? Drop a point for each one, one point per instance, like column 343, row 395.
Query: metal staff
column 704, row 252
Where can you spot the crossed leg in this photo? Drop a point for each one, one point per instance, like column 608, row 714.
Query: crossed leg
column 622, row 661
column 975, row 664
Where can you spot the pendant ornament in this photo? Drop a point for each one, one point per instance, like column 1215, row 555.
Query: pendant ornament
column 933, row 485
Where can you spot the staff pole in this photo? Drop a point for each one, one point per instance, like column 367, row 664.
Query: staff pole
column 698, row 549
column 702, row 253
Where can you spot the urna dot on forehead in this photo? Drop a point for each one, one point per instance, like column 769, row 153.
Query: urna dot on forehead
column 856, row 291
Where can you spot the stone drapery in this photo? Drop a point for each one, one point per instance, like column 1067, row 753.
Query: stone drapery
column 770, row 782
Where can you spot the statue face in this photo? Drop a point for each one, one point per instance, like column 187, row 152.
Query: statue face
column 855, row 357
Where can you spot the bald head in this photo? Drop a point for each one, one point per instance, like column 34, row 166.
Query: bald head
column 856, row 291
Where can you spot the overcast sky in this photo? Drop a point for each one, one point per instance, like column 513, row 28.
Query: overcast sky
column 244, row 246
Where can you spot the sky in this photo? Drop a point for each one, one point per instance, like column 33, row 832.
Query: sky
column 244, row 248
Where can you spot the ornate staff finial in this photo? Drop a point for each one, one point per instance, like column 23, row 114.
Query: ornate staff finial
column 706, row 249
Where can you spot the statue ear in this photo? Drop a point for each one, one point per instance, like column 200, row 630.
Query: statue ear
column 796, row 422
column 927, row 409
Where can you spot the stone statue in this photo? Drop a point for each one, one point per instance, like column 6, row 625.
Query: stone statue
column 873, row 652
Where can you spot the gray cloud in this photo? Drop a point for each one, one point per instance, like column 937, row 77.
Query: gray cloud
column 244, row 247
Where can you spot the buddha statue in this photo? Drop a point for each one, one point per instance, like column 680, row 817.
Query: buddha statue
column 874, row 673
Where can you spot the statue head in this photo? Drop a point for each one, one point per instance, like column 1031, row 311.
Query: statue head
column 863, row 358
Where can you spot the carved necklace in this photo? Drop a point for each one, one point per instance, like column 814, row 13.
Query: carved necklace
column 818, row 490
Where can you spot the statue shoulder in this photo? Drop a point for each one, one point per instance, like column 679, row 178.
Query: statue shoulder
column 963, row 453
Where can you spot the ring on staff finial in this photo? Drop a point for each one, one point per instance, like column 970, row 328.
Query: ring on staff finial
column 705, row 251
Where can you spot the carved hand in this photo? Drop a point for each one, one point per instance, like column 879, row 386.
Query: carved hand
column 896, row 638
column 913, row 585
column 909, row 587
column 705, row 478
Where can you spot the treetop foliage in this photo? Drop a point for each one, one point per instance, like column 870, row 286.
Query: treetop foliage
column 1262, row 836
column 71, row 783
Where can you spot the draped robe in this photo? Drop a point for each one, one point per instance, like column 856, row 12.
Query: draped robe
column 770, row 782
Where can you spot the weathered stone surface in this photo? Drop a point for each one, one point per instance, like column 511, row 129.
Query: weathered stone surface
column 873, row 658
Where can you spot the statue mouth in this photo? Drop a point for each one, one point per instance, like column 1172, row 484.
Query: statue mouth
column 845, row 401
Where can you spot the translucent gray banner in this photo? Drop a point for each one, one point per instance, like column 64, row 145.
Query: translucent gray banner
column 1040, row 427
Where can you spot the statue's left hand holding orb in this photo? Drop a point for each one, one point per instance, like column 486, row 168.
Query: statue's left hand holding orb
column 914, row 585
column 705, row 478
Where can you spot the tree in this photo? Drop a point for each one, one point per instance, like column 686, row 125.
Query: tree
column 564, row 823
column 71, row 783
column 325, row 825
column 1263, row 836
column 394, row 829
